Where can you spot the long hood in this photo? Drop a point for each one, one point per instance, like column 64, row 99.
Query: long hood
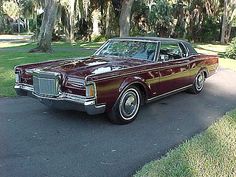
column 93, row 66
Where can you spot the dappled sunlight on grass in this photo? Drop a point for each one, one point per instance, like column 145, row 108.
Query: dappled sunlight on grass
column 212, row 153
column 17, row 58
column 10, row 44
column 92, row 45
column 210, row 48
column 7, row 80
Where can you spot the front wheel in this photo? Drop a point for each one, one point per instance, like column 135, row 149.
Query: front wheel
column 198, row 83
column 127, row 107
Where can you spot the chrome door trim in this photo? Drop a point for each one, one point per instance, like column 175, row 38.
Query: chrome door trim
column 169, row 93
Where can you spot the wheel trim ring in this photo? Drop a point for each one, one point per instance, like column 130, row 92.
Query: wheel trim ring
column 200, row 81
column 133, row 114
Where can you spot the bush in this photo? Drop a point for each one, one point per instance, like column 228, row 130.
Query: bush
column 101, row 38
column 231, row 50
column 210, row 30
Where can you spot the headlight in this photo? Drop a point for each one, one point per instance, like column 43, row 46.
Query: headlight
column 90, row 90
column 17, row 77
column 75, row 81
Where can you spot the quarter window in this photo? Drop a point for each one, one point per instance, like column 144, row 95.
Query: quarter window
column 170, row 51
column 183, row 49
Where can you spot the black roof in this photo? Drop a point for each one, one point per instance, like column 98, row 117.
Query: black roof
column 151, row 38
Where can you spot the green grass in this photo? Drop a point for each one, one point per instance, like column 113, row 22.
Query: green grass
column 211, row 153
column 16, row 55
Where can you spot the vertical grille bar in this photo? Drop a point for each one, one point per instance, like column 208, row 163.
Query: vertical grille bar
column 45, row 84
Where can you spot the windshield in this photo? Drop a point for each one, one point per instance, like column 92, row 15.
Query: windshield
column 142, row 50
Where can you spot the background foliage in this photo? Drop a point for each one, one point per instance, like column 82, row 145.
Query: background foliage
column 196, row 20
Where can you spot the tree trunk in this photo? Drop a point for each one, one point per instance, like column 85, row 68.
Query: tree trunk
column 1, row 6
column 95, row 21
column 72, row 20
column 108, row 14
column 81, row 9
column 125, row 16
column 28, row 26
column 228, row 33
column 46, row 29
column 224, row 23
column 1, row 17
column 18, row 26
column 86, row 4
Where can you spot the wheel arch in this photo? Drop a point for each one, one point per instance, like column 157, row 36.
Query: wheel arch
column 139, row 84
column 205, row 71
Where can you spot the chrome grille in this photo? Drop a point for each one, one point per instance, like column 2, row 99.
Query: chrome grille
column 45, row 85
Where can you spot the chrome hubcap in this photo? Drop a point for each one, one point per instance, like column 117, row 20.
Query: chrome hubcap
column 129, row 104
column 200, row 81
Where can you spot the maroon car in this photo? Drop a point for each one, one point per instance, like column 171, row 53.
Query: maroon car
column 122, row 75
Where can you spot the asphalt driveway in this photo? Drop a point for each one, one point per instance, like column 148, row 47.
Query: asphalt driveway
column 36, row 141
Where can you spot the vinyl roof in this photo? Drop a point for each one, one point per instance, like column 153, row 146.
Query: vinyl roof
column 151, row 39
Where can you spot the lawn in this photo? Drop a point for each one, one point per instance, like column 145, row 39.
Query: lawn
column 16, row 55
column 211, row 153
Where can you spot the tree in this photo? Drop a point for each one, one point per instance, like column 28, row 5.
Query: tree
column 1, row 17
column 47, row 26
column 28, row 10
column 160, row 18
column 72, row 5
column 125, row 16
column 227, row 20
column 108, row 14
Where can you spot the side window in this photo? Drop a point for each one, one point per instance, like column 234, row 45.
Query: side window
column 170, row 51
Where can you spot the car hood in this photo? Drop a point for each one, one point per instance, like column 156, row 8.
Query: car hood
column 93, row 65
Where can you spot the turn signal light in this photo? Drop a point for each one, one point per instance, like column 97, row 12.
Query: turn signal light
column 90, row 90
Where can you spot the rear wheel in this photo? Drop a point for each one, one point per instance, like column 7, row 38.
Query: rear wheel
column 127, row 107
column 198, row 83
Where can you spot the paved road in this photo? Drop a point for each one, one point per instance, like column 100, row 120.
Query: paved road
column 36, row 141
column 14, row 38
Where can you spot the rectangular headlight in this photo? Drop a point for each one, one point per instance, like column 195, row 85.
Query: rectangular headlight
column 17, row 77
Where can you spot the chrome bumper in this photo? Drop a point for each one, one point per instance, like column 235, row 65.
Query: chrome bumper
column 63, row 101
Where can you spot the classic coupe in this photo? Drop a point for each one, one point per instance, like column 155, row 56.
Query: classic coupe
column 122, row 75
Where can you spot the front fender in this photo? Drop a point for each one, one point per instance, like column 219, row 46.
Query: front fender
column 138, row 81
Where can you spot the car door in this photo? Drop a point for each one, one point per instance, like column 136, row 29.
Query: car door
column 174, row 72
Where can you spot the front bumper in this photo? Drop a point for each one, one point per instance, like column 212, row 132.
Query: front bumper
column 63, row 101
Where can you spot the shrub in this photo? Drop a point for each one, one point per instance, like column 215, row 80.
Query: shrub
column 100, row 38
column 231, row 50
column 210, row 30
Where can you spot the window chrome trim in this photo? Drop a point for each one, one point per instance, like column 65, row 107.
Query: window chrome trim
column 186, row 48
